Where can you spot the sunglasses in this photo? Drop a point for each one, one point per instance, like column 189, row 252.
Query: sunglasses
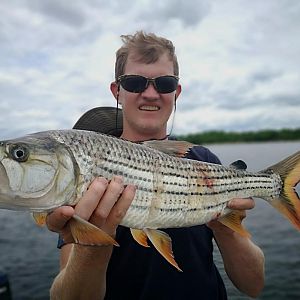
column 138, row 84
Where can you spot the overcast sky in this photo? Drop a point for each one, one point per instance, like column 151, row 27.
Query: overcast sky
column 239, row 60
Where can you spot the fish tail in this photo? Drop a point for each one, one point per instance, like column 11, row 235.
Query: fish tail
column 288, row 202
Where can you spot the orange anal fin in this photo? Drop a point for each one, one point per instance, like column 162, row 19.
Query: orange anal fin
column 163, row 244
column 85, row 233
column 233, row 220
column 140, row 236
column 39, row 218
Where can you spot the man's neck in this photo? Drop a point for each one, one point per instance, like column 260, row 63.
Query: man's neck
column 137, row 137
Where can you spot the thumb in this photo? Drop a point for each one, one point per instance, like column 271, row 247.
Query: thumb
column 58, row 219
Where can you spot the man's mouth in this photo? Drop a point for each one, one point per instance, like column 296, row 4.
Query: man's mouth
column 149, row 108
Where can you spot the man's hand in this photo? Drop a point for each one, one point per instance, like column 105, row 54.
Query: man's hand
column 243, row 260
column 241, row 204
column 104, row 204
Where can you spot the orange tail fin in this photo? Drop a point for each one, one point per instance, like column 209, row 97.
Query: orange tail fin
column 288, row 202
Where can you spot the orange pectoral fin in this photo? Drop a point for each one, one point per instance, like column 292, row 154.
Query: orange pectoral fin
column 140, row 236
column 163, row 244
column 233, row 220
column 85, row 233
column 39, row 218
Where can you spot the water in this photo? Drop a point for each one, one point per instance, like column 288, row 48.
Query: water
column 29, row 256
column 279, row 241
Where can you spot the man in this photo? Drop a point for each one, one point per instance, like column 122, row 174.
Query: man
column 132, row 271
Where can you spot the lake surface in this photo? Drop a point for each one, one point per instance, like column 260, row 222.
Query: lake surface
column 277, row 238
column 29, row 256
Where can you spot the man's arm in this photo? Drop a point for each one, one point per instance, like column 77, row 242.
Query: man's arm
column 243, row 260
column 82, row 268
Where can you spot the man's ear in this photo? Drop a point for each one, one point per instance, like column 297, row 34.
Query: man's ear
column 115, row 88
column 178, row 91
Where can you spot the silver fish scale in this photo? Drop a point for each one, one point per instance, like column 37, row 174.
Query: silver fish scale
column 171, row 192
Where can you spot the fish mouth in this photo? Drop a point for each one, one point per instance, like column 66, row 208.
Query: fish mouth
column 149, row 108
column 6, row 195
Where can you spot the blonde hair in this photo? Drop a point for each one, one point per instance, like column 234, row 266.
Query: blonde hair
column 147, row 48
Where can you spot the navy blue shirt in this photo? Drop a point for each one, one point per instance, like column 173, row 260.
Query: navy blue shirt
column 140, row 273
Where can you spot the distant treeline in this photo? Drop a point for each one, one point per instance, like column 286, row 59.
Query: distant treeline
column 210, row 137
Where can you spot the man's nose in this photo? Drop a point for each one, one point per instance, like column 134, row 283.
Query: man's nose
column 150, row 91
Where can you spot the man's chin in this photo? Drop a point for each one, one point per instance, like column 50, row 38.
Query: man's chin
column 150, row 128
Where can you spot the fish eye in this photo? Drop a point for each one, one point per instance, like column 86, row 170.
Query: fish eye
column 19, row 153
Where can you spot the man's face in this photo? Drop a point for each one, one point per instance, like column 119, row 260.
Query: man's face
column 146, row 114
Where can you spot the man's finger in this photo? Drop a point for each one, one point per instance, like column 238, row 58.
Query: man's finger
column 91, row 197
column 58, row 219
column 241, row 203
column 119, row 210
column 110, row 197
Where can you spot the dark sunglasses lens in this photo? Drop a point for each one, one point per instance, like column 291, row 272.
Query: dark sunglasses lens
column 166, row 84
column 134, row 84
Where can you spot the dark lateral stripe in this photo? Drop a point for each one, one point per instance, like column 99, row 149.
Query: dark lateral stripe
column 228, row 174
column 129, row 164
column 212, row 192
column 216, row 178
column 206, row 193
column 186, row 209
column 255, row 184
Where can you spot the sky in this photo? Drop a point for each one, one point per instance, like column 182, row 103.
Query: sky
column 239, row 60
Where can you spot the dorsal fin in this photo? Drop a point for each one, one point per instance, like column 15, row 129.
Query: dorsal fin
column 170, row 147
column 239, row 165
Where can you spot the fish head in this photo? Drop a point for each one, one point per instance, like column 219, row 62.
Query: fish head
column 37, row 173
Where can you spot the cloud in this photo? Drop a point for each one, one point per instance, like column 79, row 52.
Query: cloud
column 189, row 13
column 239, row 60
column 71, row 15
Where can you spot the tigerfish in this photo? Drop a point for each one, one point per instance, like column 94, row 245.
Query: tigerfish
column 42, row 171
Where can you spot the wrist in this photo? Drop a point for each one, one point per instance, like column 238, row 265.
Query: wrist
column 220, row 229
column 91, row 255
